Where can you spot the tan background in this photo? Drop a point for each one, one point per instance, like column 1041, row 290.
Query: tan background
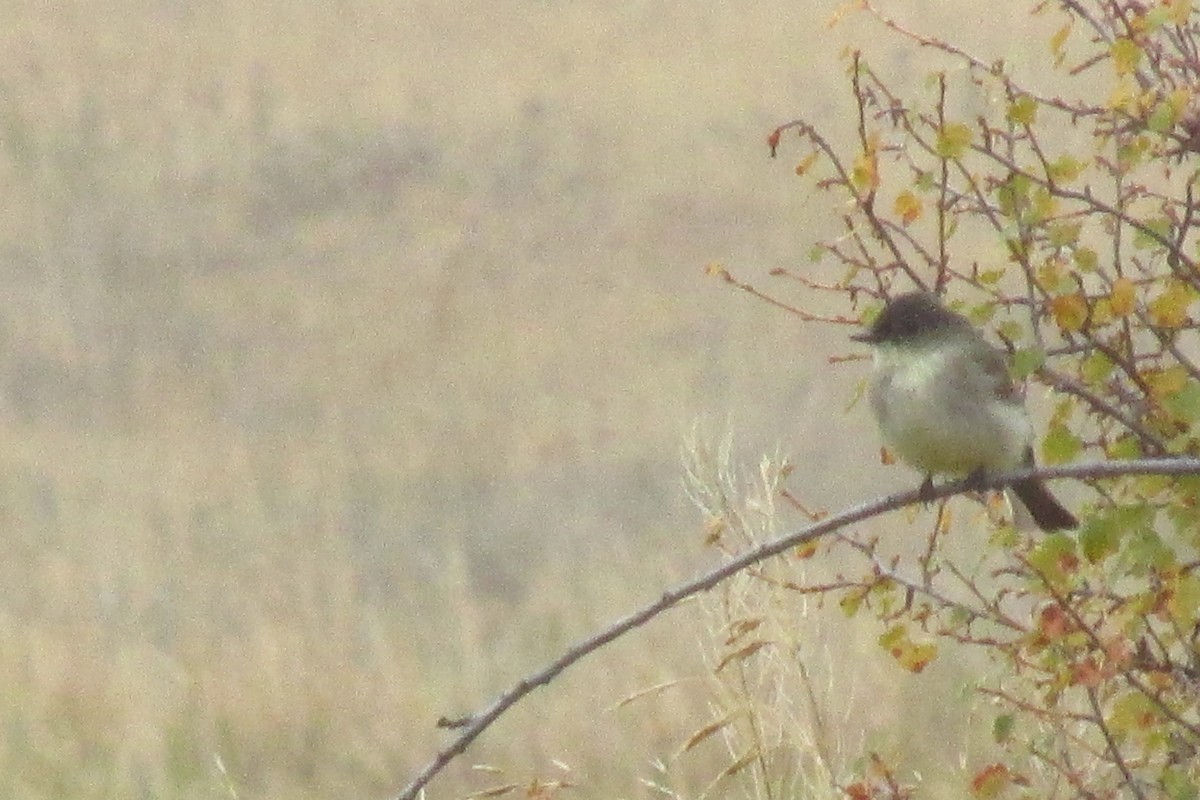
column 348, row 351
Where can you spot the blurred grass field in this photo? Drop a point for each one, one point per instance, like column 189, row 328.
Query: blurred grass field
column 347, row 354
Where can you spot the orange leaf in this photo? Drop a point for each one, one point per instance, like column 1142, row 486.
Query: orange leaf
column 807, row 163
column 1119, row 652
column 908, row 207
column 1070, row 311
column 1087, row 673
column 1053, row 622
column 991, row 780
column 806, row 550
column 741, row 654
column 859, row 791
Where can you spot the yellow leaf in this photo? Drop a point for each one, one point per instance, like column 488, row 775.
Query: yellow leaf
column 1123, row 96
column 865, row 172
column 1058, row 40
column 1125, row 55
column 918, row 657
column 912, row 656
column 1164, row 383
column 852, row 602
column 1070, row 311
column 1179, row 100
column 842, row 11
column 1170, row 309
column 716, row 270
column 1022, row 111
column 1045, row 204
column 1122, row 297
column 1180, row 10
column 908, row 207
column 1133, row 712
column 1185, row 598
column 953, row 140
column 1053, row 273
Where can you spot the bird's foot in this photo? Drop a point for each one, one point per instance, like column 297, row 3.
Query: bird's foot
column 925, row 490
column 975, row 480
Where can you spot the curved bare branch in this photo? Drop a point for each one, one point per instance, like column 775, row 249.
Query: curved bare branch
column 470, row 727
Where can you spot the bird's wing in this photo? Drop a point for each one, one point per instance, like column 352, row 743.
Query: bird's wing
column 995, row 368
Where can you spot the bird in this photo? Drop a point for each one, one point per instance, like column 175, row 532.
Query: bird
column 946, row 403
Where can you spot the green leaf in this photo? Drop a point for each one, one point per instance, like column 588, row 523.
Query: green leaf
column 953, row 140
column 1060, row 445
column 1086, row 259
column 1185, row 599
column 883, row 596
column 1184, row 513
column 1066, row 168
column 981, row 314
column 1010, row 330
column 1132, row 152
column 1096, row 367
column 1162, row 118
column 1045, row 205
column 852, row 602
column 1064, row 234
column 1055, row 561
column 1178, row 785
column 894, row 636
column 1146, row 550
column 1157, row 17
column 1026, row 361
column 1013, row 194
column 1133, row 714
column 1185, row 404
column 1100, row 538
column 990, row 277
column 1147, row 240
column 1125, row 449
column 1002, row 727
column 1022, row 111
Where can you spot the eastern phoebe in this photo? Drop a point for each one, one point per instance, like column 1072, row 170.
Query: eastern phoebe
column 946, row 403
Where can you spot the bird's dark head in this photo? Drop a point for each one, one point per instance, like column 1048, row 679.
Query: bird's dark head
column 911, row 318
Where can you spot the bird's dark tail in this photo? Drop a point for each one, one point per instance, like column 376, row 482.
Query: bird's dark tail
column 1044, row 507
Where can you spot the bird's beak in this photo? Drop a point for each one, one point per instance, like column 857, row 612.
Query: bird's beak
column 866, row 337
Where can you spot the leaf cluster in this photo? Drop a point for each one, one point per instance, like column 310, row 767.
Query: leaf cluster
column 1063, row 219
